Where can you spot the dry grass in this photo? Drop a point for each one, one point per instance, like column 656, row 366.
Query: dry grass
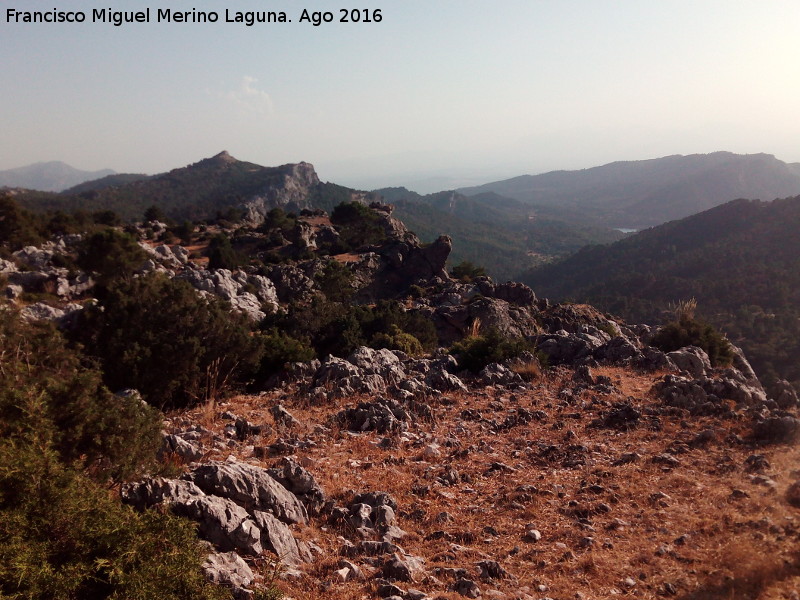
column 661, row 529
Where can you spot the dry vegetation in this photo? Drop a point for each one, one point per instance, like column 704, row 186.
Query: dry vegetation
column 615, row 519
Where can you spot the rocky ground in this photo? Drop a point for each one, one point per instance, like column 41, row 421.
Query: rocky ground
column 617, row 470
column 581, row 484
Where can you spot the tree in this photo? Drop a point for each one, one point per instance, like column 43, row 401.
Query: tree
column 110, row 255
column 221, row 254
column 45, row 385
column 160, row 336
column 17, row 226
column 466, row 271
column 154, row 213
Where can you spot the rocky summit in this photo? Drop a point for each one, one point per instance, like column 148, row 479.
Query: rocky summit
column 395, row 432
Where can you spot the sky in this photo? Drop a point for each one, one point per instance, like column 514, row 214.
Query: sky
column 438, row 93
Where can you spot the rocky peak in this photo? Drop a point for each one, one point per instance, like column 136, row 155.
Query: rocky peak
column 290, row 191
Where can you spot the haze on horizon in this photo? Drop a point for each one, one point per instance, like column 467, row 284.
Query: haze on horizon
column 465, row 91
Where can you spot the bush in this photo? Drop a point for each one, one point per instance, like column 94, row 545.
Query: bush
column 43, row 380
column 396, row 339
column 110, row 255
column 277, row 349
column 336, row 281
column 466, row 271
column 18, row 227
column 63, row 536
column 358, row 225
column 687, row 331
column 221, row 254
column 477, row 351
column 161, row 337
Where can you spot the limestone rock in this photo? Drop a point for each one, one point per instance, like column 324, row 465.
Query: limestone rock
column 250, row 487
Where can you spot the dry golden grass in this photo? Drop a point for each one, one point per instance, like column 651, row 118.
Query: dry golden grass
column 654, row 530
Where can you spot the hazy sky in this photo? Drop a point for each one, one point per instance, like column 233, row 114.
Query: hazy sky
column 466, row 89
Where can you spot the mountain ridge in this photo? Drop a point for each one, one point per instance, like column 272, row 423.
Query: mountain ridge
column 739, row 261
column 639, row 194
column 51, row 176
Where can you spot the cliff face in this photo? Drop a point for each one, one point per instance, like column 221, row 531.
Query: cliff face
column 290, row 190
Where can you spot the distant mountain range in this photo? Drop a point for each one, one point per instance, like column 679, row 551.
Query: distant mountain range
column 505, row 236
column 507, row 227
column 740, row 260
column 198, row 191
column 52, row 176
column 644, row 193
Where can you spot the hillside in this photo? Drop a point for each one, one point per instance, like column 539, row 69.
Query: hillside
column 199, row 191
column 741, row 261
column 51, row 176
column 503, row 235
column 640, row 194
column 311, row 407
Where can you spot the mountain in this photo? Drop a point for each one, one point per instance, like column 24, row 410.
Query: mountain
column 48, row 176
column 503, row 235
column 324, row 446
column 740, row 260
column 640, row 194
column 200, row 191
column 115, row 180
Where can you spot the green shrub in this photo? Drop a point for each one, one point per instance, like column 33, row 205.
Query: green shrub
column 688, row 331
column 395, row 339
column 336, row 281
column 277, row 349
column 466, row 271
column 358, row 225
column 110, row 255
column 160, row 336
column 64, row 537
column 477, row 351
column 41, row 379
column 18, row 227
column 221, row 254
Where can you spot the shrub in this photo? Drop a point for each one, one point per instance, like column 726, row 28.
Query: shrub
column 18, row 227
column 396, row 339
column 154, row 213
column 688, row 331
column 277, row 349
column 159, row 336
column 63, row 536
column 336, row 281
column 475, row 352
column 358, row 225
column 466, row 271
column 43, row 380
column 110, row 255
column 221, row 254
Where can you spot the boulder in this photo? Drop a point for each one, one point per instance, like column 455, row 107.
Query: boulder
column 382, row 362
column 177, row 445
column 299, row 482
column 276, row 537
column 228, row 569
column 38, row 258
column 691, row 360
column 382, row 415
column 777, row 430
column 6, row 266
column 785, row 394
column 223, row 523
column 157, row 490
column 251, row 487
